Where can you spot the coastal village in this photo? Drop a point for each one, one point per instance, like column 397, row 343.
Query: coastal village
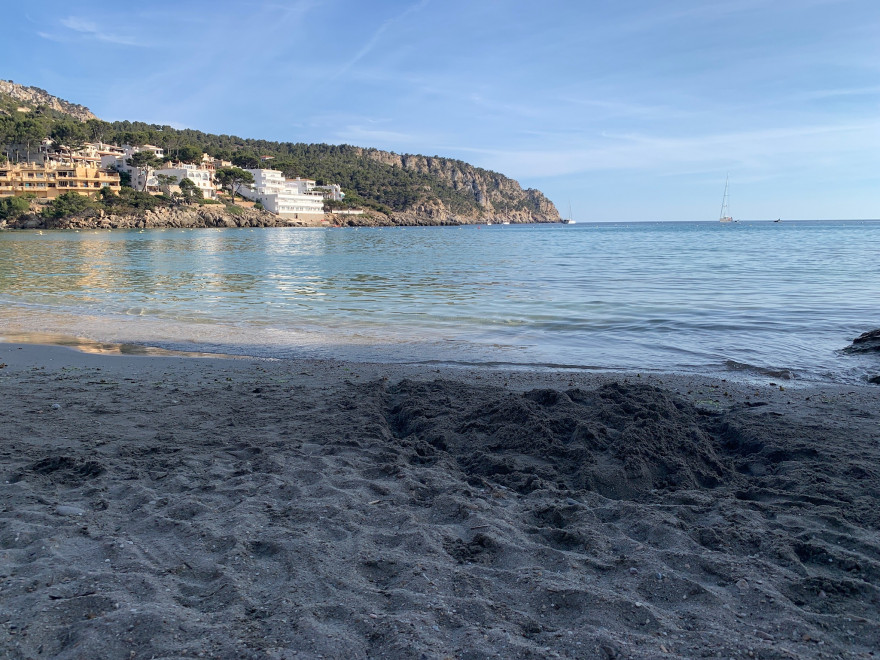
column 51, row 169
column 62, row 167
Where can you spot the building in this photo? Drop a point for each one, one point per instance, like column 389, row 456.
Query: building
column 331, row 191
column 283, row 197
column 308, row 186
column 49, row 179
column 141, row 177
column 203, row 177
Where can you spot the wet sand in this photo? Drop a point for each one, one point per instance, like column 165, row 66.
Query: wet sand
column 168, row 507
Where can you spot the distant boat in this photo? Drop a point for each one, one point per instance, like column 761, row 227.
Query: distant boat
column 569, row 220
column 725, row 210
column 505, row 222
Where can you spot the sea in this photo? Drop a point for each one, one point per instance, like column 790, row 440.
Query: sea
column 748, row 300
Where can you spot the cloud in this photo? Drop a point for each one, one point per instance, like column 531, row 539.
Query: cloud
column 90, row 29
column 377, row 35
column 822, row 145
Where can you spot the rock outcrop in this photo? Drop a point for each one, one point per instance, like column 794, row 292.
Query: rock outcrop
column 34, row 97
column 163, row 217
column 867, row 342
column 497, row 197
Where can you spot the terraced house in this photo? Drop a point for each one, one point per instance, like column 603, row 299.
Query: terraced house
column 47, row 180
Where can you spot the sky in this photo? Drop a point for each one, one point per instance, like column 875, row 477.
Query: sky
column 624, row 110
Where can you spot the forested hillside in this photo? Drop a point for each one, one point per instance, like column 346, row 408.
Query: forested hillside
column 402, row 186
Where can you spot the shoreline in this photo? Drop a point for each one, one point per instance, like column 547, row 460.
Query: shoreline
column 210, row 507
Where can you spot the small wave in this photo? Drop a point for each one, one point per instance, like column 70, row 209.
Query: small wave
column 782, row 374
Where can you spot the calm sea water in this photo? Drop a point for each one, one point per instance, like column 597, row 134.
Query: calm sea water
column 749, row 298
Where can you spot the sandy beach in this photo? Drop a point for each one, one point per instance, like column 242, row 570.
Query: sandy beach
column 169, row 507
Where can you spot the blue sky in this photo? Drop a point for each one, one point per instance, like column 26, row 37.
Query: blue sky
column 630, row 110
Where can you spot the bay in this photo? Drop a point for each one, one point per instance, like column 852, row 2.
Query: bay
column 751, row 299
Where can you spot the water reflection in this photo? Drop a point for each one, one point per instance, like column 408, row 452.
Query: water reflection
column 84, row 345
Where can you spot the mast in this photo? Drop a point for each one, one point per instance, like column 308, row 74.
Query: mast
column 725, row 211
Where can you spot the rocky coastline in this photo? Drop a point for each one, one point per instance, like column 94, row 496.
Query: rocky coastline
column 196, row 217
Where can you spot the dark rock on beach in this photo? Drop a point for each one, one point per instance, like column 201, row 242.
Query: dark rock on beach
column 867, row 342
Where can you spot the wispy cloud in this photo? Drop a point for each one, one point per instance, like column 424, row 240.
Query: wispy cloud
column 84, row 28
column 756, row 150
column 377, row 35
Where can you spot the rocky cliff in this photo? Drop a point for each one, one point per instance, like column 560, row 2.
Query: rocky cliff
column 34, row 97
column 496, row 196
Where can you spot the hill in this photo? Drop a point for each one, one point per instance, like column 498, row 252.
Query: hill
column 406, row 188
column 30, row 99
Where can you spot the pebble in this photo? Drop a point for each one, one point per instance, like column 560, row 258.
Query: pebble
column 56, row 406
column 66, row 510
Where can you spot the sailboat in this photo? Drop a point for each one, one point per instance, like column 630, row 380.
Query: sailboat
column 725, row 211
column 569, row 220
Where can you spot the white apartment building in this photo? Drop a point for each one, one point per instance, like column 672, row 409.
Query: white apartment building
column 331, row 191
column 303, row 186
column 203, row 178
column 287, row 198
column 139, row 179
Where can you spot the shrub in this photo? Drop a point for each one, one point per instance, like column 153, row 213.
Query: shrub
column 12, row 207
column 68, row 204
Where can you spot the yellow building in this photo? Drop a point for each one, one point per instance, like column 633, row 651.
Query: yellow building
column 48, row 180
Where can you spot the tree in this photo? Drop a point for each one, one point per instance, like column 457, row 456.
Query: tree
column 95, row 128
column 69, row 135
column 28, row 131
column 246, row 161
column 144, row 159
column 7, row 131
column 220, row 154
column 190, row 191
column 165, row 182
column 189, row 153
column 147, row 161
column 232, row 178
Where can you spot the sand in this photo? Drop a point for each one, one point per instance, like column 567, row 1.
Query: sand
column 167, row 507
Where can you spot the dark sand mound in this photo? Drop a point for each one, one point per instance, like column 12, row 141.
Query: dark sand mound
column 620, row 441
column 250, row 512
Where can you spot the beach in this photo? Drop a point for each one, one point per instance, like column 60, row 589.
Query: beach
column 179, row 507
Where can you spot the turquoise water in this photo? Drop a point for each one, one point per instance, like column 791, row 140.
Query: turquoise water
column 773, row 298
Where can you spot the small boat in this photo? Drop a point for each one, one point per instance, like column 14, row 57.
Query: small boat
column 569, row 220
column 505, row 222
column 725, row 210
